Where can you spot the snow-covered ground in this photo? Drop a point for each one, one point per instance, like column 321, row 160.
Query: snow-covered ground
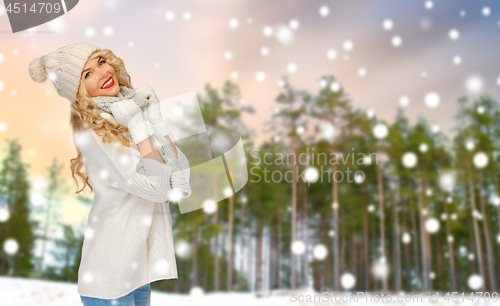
column 27, row 292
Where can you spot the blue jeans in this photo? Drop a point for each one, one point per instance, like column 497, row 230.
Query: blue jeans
column 139, row 297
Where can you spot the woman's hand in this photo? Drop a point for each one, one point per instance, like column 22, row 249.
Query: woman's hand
column 123, row 111
column 127, row 113
column 153, row 110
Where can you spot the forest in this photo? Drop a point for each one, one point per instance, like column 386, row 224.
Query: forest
column 337, row 199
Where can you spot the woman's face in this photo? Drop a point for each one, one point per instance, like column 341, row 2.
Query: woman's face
column 100, row 78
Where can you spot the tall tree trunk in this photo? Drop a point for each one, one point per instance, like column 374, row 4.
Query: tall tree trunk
column 242, row 242
column 272, row 256
column 450, row 247
column 278, row 255
column 325, row 263
column 471, row 242
column 439, row 260
column 231, row 246
column 406, row 246
column 258, row 263
column 474, row 222
column 396, row 247
column 487, row 237
column 299, row 231
column 374, row 245
column 195, row 255
column 415, row 230
column 380, row 192
column 216, row 221
column 366, row 248
column 4, row 257
column 217, row 249
column 293, row 266
column 316, row 276
column 47, row 222
column 317, row 282
column 343, row 242
column 305, row 236
column 426, row 245
column 178, row 282
column 497, row 193
column 336, row 236
column 359, row 262
column 250, row 256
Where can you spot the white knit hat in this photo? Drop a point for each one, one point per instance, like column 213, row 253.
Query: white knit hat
column 64, row 68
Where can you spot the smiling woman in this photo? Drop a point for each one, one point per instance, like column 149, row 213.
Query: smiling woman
column 125, row 248
column 99, row 78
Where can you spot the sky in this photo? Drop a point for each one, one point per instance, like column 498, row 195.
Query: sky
column 379, row 51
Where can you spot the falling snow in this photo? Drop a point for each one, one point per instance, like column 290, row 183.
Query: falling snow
column 268, row 31
column 474, row 84
column 294, row 24
column 409, row 159
column 388, row 24
column 453, row 34
column 348, row 45
column 432, row 225
column 169, row 15
column 380, row 131
column 209, row 206
column 432, row 100
column 332, row 54
column 320, row 252
column 108, row 31
column 404, row 101
column 324, row 11
column 260, row 76
column 233, row 23
column 298, row 247
column 284, row 34
column 396, row 41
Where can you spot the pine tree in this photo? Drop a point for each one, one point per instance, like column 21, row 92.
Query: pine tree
column 232, row 112
column 14, row 189
column 68, row 252
column 52, row 196
column 290, row 115
column 330, row 106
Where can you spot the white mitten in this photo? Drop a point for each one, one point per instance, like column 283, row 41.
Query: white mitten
column 153, row 110
column 128, row 114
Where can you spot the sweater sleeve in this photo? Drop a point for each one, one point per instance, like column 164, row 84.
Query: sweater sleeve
column 116, row 165
column 181, row 159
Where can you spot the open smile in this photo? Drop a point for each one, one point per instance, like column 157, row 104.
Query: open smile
column 109, row 82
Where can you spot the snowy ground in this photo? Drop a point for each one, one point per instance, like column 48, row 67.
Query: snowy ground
column 27, row 292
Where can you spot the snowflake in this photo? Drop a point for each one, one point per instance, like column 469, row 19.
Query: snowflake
column 108, row 31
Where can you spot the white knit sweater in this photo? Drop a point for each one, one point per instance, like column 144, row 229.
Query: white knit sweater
column 128, row 240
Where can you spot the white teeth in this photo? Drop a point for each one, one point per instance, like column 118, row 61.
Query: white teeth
column 107, row 83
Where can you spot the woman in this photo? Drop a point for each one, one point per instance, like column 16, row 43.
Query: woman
column 128, row 240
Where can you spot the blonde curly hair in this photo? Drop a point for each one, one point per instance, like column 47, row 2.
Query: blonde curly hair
column 86, row 114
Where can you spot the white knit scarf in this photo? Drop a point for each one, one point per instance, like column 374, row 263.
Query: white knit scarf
column 125, row 93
